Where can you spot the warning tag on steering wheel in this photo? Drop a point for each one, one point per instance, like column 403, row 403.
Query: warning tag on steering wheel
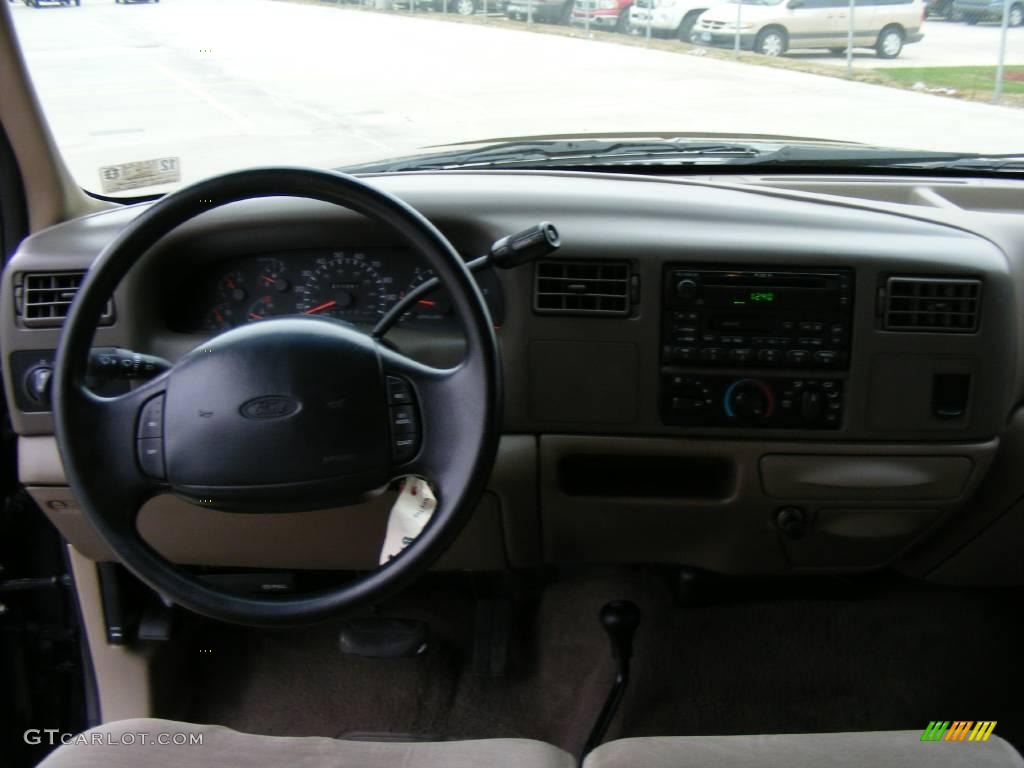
column 411, row 512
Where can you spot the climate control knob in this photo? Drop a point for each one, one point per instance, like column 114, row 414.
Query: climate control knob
column 749, row 400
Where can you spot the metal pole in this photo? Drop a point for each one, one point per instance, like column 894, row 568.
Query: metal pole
column 997, row 94
column 849, row 43
column 588, row 6
column 739, row 16
column 444, row 6
column 650, row 17
column 485, row 10
column 529, row 13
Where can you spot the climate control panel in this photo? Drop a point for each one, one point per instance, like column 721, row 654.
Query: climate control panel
column 770, row 402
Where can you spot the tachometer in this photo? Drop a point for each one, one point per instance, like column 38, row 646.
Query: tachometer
column 272, row 276
column 260, row 309
column 345, row 285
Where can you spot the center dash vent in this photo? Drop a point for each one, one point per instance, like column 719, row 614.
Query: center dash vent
column 582, row 288
column 932, row 304
column 43, row 298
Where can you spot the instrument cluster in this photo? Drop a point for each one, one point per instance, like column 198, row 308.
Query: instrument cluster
column 355, row 285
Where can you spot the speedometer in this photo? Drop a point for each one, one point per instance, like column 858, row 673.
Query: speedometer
column 346, row 285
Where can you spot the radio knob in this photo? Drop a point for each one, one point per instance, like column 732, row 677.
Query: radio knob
column 686, row 289
column 749, row 400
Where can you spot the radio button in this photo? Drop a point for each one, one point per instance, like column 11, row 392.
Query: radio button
column 712, row 353
column 798, row 356
column 686, row 289
column 826, row 357
column 768, row 355
column 683, row 354
column 741, row 355
column 811, row 327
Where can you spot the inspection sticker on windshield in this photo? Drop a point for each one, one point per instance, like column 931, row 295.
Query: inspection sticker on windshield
column 145, row 173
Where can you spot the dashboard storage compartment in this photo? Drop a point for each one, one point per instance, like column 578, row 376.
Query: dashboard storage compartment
column 793, row 477
column 640, row 476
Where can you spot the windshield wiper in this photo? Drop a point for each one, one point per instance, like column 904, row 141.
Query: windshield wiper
column 548, row 154
column 592, row 153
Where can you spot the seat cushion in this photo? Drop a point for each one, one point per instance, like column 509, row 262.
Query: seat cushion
column 108, row 747
column 868, row 749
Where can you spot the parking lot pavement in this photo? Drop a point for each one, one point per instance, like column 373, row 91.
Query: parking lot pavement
column 945, row 44
column 247, row 82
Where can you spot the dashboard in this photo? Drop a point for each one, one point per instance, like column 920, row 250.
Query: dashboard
column 752, row 375
column 357, row 285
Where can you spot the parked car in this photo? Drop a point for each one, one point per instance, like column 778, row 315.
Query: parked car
column 974, row 11
column 771, row 27
column 41, row 3
column 942, row 9
column 461, row 7
column 672, row 17
column 554, row 11
column 602, row 14
column 133, row 2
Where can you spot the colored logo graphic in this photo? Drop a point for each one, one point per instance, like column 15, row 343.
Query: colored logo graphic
column 958, row 730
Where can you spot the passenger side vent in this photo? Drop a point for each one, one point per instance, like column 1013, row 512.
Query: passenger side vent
column 932, row 304
column 582, row 288
column 43, row 298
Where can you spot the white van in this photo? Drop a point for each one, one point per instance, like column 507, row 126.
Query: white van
column 667, row 17
column 772, row 27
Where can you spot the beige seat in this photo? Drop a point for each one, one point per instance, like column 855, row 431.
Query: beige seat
column 108, row 746
column 134, row 744
column 867, row 749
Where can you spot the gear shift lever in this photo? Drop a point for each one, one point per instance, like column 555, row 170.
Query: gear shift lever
column 619, row 619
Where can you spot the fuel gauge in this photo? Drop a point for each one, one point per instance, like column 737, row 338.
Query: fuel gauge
column 435, row 305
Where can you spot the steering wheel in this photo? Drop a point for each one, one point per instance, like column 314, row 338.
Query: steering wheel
column 284, row 415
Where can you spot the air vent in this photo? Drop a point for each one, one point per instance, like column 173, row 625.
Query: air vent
column 932, row 304
column 582, row 288
column 43, row 298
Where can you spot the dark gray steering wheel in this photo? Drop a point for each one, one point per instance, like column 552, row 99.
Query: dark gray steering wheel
column 284, row 415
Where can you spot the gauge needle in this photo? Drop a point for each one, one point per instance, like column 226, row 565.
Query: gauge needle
column 268, row 279
column 427, row 303
column 320, row 307
column 254, row 316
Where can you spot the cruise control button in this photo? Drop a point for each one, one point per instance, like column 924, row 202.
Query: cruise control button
column 399, row 392
column 403, row 419
column 151, row 457
column 151, row 418
column 403, row 448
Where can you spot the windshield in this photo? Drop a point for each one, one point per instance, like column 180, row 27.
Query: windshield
column 143, row 97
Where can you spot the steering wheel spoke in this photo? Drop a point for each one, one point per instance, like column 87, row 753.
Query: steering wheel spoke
column 121, row 448
column 435, row 418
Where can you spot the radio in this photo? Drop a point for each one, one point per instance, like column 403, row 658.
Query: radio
column 758, row 318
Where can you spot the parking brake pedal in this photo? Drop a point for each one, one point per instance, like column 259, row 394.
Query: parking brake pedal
column 619, row 619
column 378, row 637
